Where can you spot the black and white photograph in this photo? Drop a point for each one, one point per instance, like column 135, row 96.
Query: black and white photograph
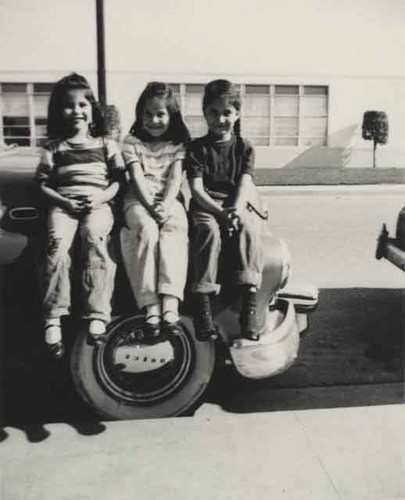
column 202, row 249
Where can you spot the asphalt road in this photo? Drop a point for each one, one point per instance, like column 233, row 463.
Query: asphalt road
column 332, row 232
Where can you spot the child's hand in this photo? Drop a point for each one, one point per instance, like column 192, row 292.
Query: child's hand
column 232, row 220
column 226, row 220
column 93, row 200
column 74, row 206
column 160, row 213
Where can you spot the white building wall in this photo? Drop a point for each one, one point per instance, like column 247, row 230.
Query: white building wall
column 353, row 46
column 349, row 98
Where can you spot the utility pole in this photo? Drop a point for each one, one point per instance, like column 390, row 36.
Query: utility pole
column 111, row 114
column 102, row 97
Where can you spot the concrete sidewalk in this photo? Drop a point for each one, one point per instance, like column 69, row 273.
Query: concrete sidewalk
column 355, row 453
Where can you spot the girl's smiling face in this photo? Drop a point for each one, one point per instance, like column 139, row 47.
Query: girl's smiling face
column 77, row 111
column 155, row 117
column 221, row 116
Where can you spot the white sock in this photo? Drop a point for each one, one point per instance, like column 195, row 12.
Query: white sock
column 96, row 327
column 153, row 313
column 53, row 333
column 170, row 308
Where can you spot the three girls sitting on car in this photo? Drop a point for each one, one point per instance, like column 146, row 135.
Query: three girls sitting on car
column 79, row 173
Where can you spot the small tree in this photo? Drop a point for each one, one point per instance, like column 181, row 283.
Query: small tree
column 375, row 128
column 112, row 121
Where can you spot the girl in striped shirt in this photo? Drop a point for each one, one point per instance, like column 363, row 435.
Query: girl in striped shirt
column 76, row 173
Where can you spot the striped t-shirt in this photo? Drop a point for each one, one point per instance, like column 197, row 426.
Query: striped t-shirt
column 79, row 169
column 155, row 162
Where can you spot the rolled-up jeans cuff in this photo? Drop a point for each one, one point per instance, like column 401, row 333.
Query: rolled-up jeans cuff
column 247, row 277
column 170, row 290
column 55, row 313
column 147, row 299
column 102, row 317
column 206, row 288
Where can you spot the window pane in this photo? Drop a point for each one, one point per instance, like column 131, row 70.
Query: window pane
column 43, row 88
column 286, row 89
column 314, row 106
column 16, row 121
column 286, row 141
column 313, row 141
column 252, row 127
column 14, row 87
column 256, row 105
column 313, row 127
column 41, row 105
column 257, row 89
column 175, row 87
column 194, row 88
column 286, row 106
column 40, row 121
column 16, row 131
column 287, row 127
column 15, row 104
column 16, row 140
column 315, row 90
column 40, row 131
column 196, row 125
column 193, row 104
column 259, row 141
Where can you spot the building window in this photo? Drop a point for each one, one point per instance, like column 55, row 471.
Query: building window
column 255, row 121
column 272, row 115
column 189, row 97
column 24, row 108
column 314, row 115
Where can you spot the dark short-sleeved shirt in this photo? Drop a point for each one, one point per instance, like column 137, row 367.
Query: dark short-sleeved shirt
column 219, row 164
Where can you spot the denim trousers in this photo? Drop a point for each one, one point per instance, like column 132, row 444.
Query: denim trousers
column 97, row 269
column 155, row 257
column 240, row 254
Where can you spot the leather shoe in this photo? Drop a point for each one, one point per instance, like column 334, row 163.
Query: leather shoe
column 57, row 350
column 97, row 339
column 151, row 330
column 171, row 329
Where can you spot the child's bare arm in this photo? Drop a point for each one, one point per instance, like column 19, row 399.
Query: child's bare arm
column 139, row 185
column 173, row 183
column 208, row 203
column 203, row 198
column 242, row 194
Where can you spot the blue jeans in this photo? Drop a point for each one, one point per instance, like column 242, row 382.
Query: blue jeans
column 98, row 269
column 242, row 253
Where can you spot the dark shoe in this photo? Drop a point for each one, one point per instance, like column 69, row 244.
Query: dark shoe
column 151, row 330
column 248, row 320
column 205, row 329
column 97, row 339
column 171, row 329
column 57, row 350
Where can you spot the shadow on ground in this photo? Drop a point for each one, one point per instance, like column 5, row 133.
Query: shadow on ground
column 351, row 355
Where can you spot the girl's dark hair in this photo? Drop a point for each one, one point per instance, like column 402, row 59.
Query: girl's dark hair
column 57, row 126
column 177, row 131
column 223, row 89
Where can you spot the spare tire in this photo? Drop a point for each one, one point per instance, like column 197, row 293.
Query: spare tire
column 132, row 378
